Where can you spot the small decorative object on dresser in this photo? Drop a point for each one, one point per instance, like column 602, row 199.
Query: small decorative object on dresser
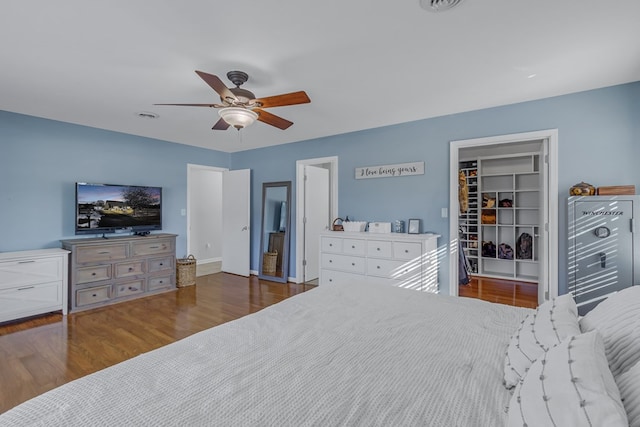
column 414, row 226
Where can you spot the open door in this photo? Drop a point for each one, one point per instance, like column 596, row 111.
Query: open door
column 316, row 217
column 236, row 253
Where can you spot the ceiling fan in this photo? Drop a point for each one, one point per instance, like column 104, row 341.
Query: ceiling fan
column 240, row 108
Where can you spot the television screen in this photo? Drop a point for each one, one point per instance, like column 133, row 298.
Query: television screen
column 107, row 208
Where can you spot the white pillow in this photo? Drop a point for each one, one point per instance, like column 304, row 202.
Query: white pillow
column 617, row 318
column 552, row 322
column 629, row 385
column 569, row 385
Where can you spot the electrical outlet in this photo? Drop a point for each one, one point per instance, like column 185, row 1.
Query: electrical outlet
column 444, row 212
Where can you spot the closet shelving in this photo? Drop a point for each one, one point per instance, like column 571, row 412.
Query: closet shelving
column 468, row 220
column 509, row 198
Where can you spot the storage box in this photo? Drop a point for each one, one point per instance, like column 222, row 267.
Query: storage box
column 354, row 226
column 379, row 227
column 617, row 190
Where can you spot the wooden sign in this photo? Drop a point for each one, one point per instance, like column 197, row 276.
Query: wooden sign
column 390, row 171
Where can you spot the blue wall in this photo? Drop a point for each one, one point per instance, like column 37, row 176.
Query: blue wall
column 598, row 143
column 40, row 160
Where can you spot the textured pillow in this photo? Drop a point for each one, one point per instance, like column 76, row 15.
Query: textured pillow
column 629, row 385
column 552, row 321
column 569, row 385
column 617, row 318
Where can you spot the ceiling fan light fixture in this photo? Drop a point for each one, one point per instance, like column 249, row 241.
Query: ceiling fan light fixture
column 439, row 5
column 238, row 117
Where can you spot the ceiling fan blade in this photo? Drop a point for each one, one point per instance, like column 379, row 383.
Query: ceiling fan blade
column 221, row 125
column 292, row 98
column 272, row 119
column 217, row 85
column 194, row 105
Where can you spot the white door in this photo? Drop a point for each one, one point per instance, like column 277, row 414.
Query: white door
column 316, row 217
column 236, row 252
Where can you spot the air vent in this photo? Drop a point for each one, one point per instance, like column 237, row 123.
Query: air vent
column 439, row 5
column 147, row 115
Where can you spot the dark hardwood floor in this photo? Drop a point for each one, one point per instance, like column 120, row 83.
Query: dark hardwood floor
column 44, row 352
column 520, row 294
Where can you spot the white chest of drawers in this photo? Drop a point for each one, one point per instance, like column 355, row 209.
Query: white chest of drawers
column 404, row 260
column 32, row 282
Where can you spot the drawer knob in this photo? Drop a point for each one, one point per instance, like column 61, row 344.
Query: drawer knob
column 161, row 281
column 406, row 251
column 93, row 274
column 353, row 246
column 378, row 267
column 330, row 261
column 377, row 249
column 353, row 263
column 94, row 295
column 330, row 244
column 161, row 264
column 130, row 268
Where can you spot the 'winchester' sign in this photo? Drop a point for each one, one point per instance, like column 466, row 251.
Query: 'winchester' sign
column 387, row 171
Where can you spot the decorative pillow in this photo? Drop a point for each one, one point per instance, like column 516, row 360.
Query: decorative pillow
column 552, row 321
column 617, row 318
column 629, row 385
column 569, row 385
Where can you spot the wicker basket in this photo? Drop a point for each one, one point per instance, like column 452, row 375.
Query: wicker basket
column 269, row 262
column 186, row 271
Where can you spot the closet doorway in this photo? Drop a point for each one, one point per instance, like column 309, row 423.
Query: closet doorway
column 512, row 201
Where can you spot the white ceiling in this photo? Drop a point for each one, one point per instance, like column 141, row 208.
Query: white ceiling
column 364, row 64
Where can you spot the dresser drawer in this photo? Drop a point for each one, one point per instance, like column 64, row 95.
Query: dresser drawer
column 30, row 271
column 407, row 250
column 101, row 253
column 93, row 274
column 346, row 263
column 160, row 264
column 354, row 246
column 130, row 288
column 156, row 246
column 160, row 282
column 379, row 249
column 93, row 295
column 128, row 269
column 331, row 244
column 28, row 299
column 392, row 269
column 339, row 277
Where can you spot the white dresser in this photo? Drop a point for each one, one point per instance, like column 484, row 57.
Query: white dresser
column 33, row 282
column 404, row 260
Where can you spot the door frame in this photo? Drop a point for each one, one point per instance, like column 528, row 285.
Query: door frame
column 191, row 168
column 549, row 270
column 300, row 197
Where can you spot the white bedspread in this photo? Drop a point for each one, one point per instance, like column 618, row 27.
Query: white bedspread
column 361, row 354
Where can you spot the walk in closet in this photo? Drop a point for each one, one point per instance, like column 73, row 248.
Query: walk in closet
column 499, row 217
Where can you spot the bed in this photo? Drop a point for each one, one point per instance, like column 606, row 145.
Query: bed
column 356, row 354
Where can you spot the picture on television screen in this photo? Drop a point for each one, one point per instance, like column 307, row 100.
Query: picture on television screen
column 107, row 208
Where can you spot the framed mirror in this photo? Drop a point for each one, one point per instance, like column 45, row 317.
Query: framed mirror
column 274, row 235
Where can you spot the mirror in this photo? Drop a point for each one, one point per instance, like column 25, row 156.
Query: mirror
column 274, row 237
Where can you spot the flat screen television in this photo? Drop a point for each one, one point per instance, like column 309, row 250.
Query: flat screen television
column 110, row 208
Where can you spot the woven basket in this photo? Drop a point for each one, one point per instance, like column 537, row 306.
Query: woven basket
column 186, row 271
column 269, row 262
